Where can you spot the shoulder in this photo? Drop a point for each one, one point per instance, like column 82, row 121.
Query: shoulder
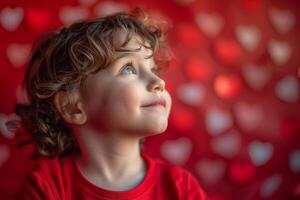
column 183, row 180
column 41, row 181
column 50, row 167
column 177, row 172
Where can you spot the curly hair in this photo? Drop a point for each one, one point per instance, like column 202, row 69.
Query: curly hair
column 63, row 60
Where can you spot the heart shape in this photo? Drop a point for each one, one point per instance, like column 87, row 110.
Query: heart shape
column 227, row 86
column 227, row 50
column 248, row 36
column 227, row 145
column 177, row 151
column 211, row 24
column 109, row 7
column 260, row 153
column 38, row 18
column 71, row 14
column 191, row 93
column 182, row 119
column 295, row 161
column 189, row 35
column 217, row 120
column 210, row 171
column 18, row 54
column 279, row 51
column 256, row 76
column 11, row 18
column 198, row 69
column 248, row 116
column 241, row 171
column 287, row 89
column 9, row 124
column 252, row 5
column 270, row 185
column 282, row 20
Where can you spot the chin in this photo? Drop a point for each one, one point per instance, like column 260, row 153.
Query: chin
column 158, row 128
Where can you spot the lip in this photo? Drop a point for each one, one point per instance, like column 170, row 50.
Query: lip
column 157, row 102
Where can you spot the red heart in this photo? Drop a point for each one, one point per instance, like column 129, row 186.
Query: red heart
column 227, row 86
column 241, row 171
column 189, row 35
column 182, row 119
column 251, row 5
column 198, row 69
column 38, row 19
column 227, row 50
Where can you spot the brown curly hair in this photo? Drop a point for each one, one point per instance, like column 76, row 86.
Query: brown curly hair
column 63, row 60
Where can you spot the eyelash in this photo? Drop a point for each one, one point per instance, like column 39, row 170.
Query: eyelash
column 154, row 70
column 128, row 64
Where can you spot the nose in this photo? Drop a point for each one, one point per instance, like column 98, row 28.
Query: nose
column 156, row 85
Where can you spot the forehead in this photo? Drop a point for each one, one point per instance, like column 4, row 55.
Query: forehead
column 135, row 46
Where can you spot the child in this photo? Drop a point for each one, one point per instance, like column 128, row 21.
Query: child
column 95, row 91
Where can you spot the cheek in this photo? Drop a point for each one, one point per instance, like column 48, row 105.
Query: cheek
column 126, row 98
column 123, row 108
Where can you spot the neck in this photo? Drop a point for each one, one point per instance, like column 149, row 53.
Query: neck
column 110, row 156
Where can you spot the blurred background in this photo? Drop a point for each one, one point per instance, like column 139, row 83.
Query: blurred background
column 235, row 121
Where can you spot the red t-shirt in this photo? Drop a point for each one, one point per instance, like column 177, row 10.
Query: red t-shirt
column 57, row 179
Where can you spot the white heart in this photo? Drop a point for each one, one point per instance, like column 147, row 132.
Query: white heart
column 18, row 54
column 9, row 130
column 70, row 14
column 227, row 145
column 248, row 36
column 279, row 51
column 287, row 89
column 11, row 18
column 282, row 20
column 270, row 185
column 248, row 116
column 4, row 154
column 256, row 76
column 177, row 151
column 260, row 153
column 217, row 120
column 191, row 93
column 210, row 24
column 295, row 161
column 210, row 171
column 109, row 7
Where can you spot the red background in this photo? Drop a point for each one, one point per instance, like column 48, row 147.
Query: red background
column 235, row 121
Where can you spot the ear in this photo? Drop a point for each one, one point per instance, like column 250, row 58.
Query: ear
column 71, row 110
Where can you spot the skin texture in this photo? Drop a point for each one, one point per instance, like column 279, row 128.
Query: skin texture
column 110, row 119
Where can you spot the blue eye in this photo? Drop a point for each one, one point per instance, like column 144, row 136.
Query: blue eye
column 128, row 69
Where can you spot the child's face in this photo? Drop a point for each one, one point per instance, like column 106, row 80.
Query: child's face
column 118, row 95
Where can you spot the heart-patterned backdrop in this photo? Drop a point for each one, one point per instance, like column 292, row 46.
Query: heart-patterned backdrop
column 235, row 120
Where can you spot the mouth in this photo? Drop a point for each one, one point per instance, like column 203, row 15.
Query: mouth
column 158, row 102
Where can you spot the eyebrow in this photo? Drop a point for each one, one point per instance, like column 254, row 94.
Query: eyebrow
column 128, row 53
column 122, row 55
